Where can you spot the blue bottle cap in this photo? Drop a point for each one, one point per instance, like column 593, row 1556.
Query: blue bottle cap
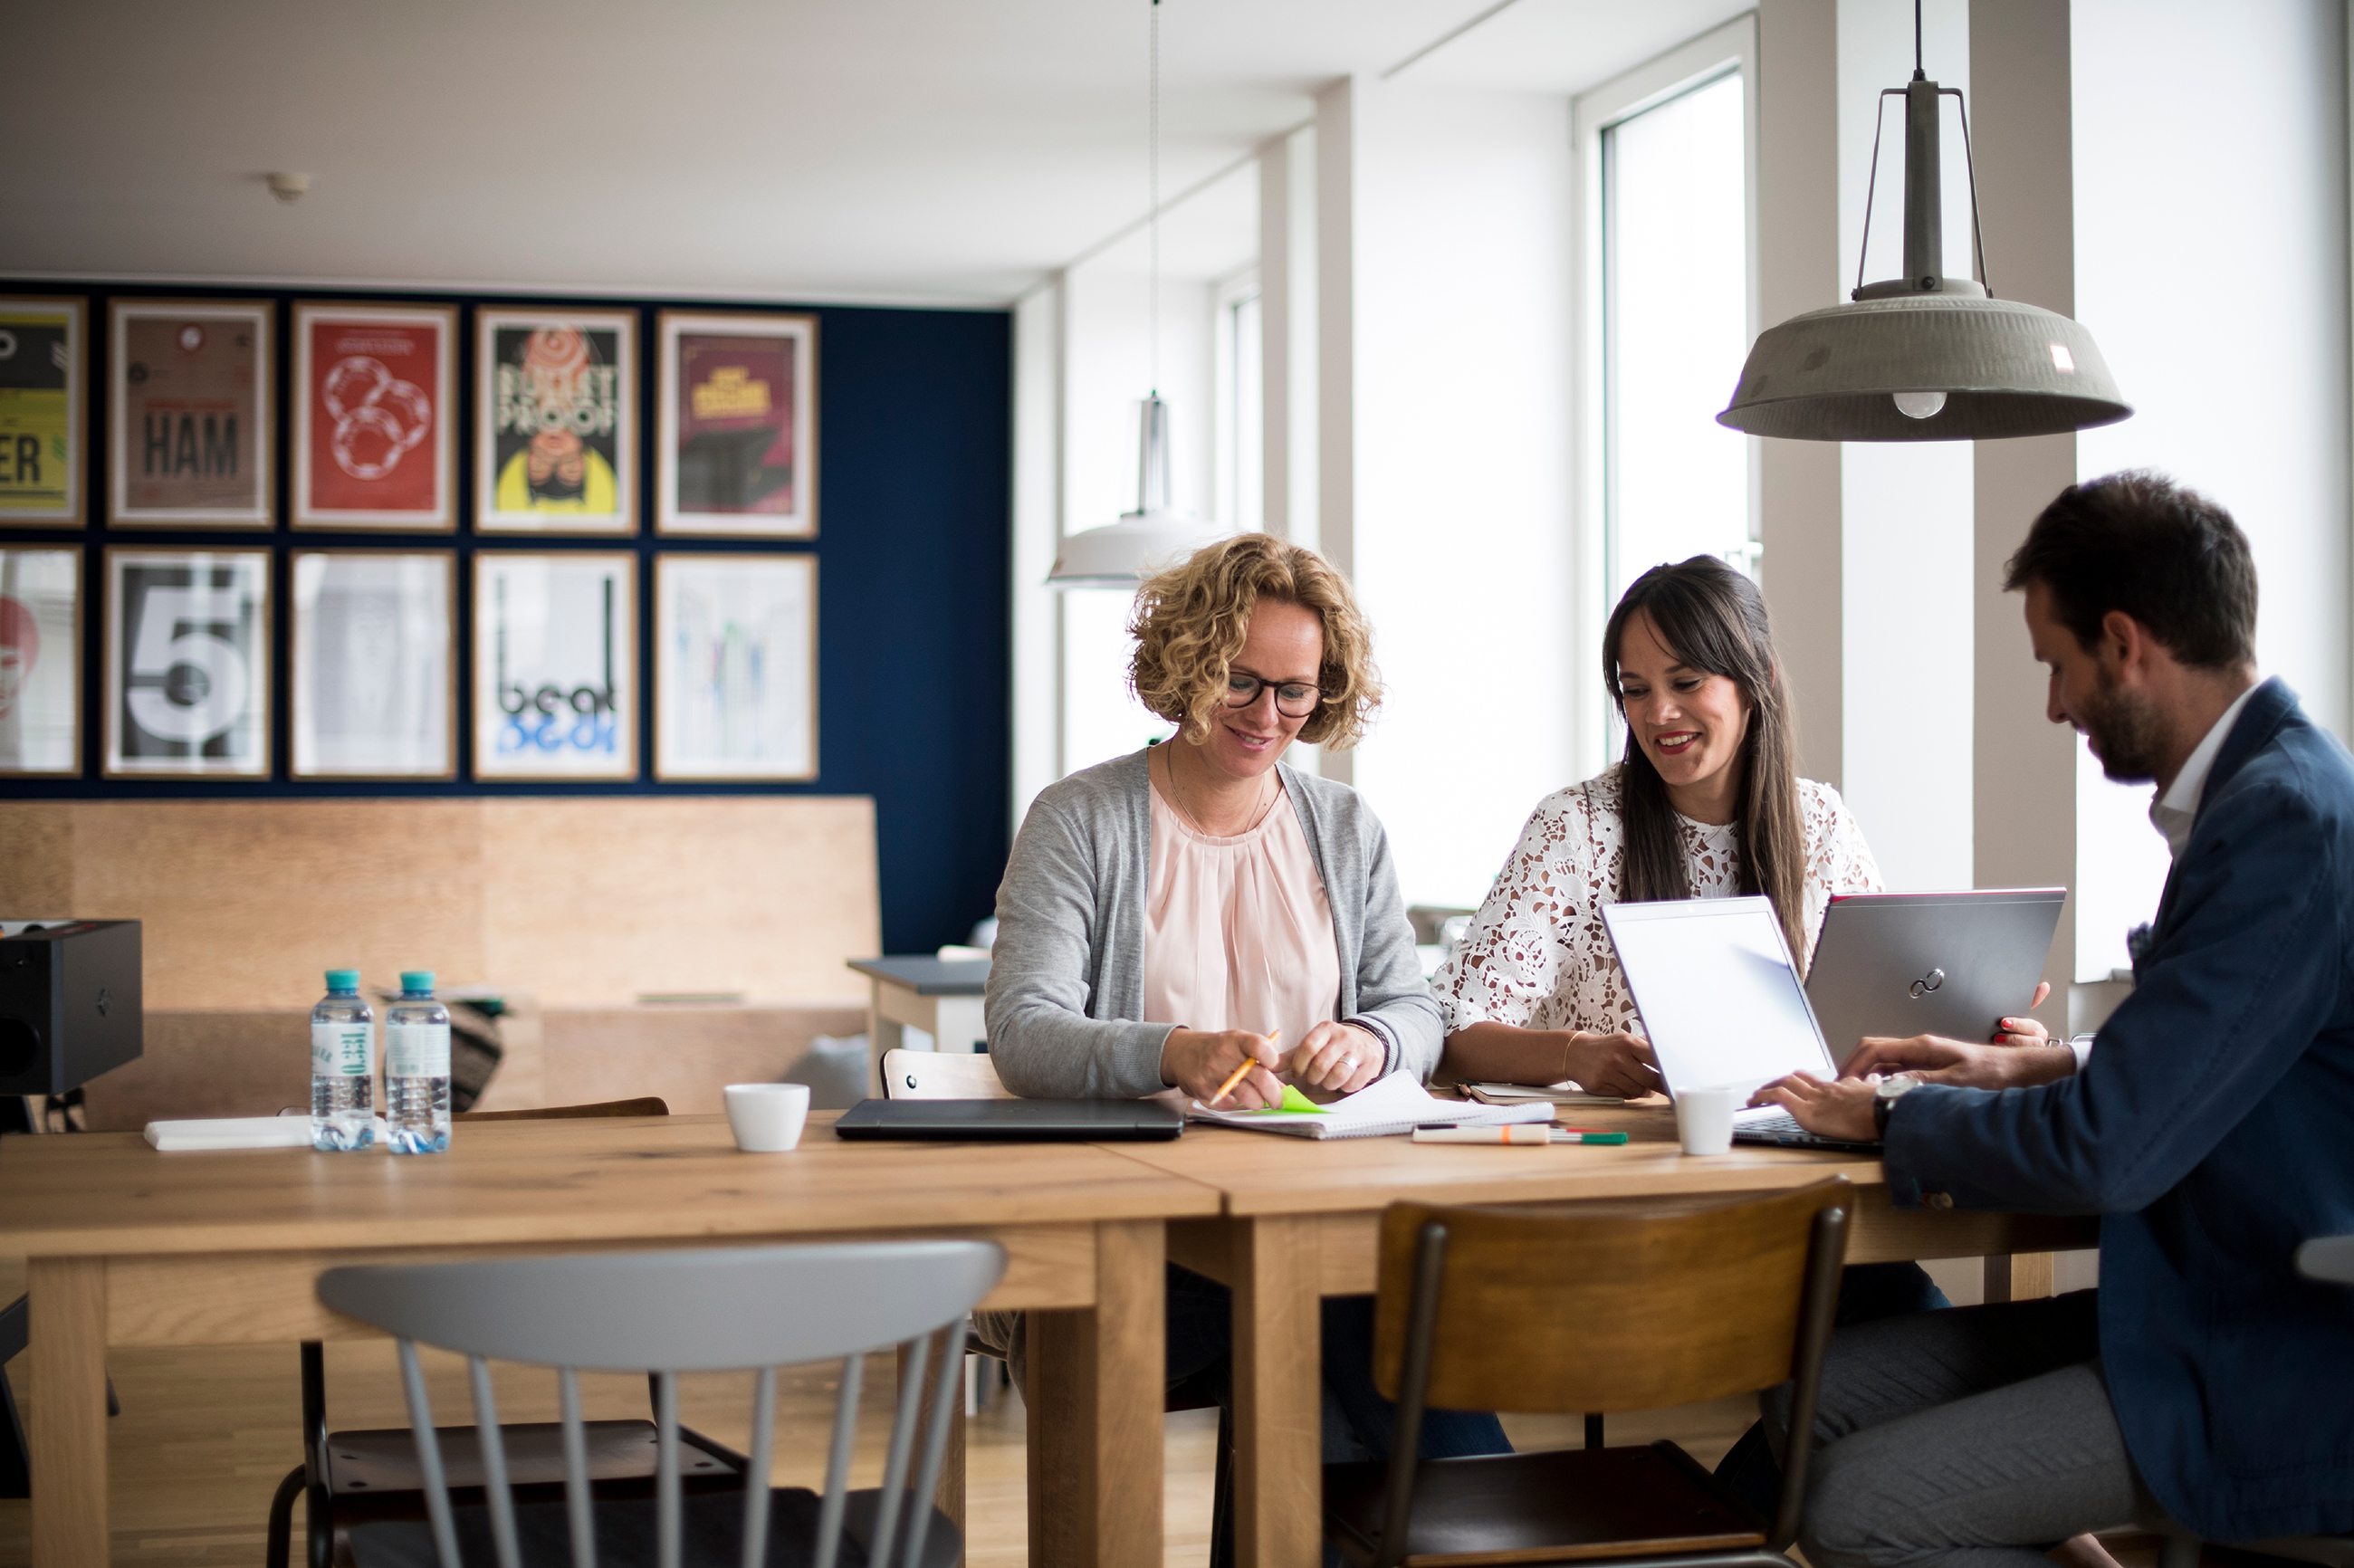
column 341, row 981
column 417, row 982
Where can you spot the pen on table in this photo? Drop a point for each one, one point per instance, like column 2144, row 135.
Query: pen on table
column 1237, row 1076
column 1519, row 1134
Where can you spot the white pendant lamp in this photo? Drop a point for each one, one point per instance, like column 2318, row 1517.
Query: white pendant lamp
column 1118, row 554
column 1923, row 357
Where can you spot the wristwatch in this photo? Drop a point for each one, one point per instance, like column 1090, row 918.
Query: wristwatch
column 1885, row 1096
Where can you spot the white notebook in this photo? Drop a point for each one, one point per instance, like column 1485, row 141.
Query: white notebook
column 1391, row 1107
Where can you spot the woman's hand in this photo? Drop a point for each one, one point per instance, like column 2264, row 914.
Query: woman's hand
column 1618, row 1064
column 2025, row 1031
column 1336, row 1059
column 1198, row 1061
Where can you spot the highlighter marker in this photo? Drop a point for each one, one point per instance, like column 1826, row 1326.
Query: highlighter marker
column 1528, row 1133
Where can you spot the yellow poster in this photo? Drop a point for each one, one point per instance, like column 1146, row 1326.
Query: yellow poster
column 40, row 424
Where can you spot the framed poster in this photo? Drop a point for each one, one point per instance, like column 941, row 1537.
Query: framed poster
column 374, row 675
column 736, row 444
column 187, row 662
column 373, row 404
column 736, row 667
column 188, row 414
column 555, row 422
column 40, row 412
column 40, row 662
column 556, row 660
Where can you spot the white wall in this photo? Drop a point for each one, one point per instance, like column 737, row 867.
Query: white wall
column 1461, row 234
column 2211, row 267
column 1906, row 508
column 1037, row 499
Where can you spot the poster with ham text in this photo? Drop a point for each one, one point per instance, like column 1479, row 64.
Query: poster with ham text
column 373, row 412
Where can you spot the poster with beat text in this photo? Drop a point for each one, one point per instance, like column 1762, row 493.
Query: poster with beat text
column 555, row 665
column 189, row 442
column 40, row 662
column 40, row 412
column 373, row 411
column 555, row 421
column 735, row 436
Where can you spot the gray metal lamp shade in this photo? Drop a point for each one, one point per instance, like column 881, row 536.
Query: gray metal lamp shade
column 2006, row 369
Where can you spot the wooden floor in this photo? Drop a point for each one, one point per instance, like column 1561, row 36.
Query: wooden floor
column 206, row 1435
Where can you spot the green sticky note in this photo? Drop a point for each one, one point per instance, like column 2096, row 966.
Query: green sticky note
column 1293, row 1100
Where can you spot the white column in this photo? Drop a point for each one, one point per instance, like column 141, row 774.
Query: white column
column 1038, row 530
column 2024, row 769
column 1288, row 335
column 1336, row 343
column 1798, row 269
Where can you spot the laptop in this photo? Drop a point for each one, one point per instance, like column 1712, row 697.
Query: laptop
column 1929, row 963
column 1721, row 1000
column 1013, row 1121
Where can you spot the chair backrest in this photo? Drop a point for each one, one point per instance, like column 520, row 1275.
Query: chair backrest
column 645, row 1105
column 1595, row 1311
column 941, row 1075
column 670, row 1312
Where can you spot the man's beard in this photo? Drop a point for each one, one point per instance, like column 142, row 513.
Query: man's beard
column 2127, row 732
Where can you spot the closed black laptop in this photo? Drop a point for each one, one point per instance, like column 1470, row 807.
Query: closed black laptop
column 1014, row 1121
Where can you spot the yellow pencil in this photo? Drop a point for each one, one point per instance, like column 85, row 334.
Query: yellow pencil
column 1248, row 1063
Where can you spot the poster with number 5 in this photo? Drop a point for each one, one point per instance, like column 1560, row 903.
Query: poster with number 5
column 187, row 662
column 373, row 414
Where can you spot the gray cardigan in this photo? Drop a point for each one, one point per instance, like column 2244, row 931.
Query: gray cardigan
column 1067, row 978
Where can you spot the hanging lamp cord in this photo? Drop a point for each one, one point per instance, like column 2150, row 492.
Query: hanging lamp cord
column 1918, row 74
column 1153, row 182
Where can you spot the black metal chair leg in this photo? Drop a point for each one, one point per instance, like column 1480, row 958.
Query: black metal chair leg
column 1594, row 1433
column 281, row 1516
column 15, row 1474
column 319, row 1522
column 1222, row 1506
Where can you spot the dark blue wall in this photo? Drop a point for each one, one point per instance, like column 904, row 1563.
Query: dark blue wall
column 913, row 549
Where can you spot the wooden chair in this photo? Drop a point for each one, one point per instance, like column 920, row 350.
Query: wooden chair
column 350, row 1478
column 1588, row 1310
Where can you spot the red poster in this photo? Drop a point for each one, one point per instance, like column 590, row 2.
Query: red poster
column 373, row 443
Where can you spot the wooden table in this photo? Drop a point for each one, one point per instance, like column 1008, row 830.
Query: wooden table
column 128, row 1246
column 940, row 996
column 1301, row 1218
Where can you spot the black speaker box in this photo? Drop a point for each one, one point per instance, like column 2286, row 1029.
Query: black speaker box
column 70, row 1003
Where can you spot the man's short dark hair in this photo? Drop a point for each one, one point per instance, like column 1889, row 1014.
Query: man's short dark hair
column 2164, row 555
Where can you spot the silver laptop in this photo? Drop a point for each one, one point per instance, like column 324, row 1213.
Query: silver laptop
column 1929, row 963
column 1722, row 1003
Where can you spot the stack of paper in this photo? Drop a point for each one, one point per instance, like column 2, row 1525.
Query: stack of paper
column 1564, row 1094
column 1392, row 1108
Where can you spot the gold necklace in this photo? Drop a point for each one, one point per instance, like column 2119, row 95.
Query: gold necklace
column 1194, row 822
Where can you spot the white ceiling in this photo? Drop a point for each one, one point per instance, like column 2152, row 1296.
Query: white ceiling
column 917, row 150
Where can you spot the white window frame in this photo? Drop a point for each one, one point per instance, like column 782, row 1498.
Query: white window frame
column 1224, row 296
column 1725, row 50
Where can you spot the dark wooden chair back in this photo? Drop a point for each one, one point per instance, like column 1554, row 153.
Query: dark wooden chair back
column 1574, row 1310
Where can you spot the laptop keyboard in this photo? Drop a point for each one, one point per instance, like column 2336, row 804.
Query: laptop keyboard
column 1760, row 1125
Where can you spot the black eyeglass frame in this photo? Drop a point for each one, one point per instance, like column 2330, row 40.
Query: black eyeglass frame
column 1259, row 684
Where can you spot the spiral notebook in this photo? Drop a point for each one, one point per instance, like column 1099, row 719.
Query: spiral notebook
column 1393, row 1106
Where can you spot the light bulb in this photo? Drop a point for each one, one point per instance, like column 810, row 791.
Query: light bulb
column 1919, row 405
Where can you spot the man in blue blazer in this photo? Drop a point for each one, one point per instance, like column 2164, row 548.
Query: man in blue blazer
column 2210, row 1125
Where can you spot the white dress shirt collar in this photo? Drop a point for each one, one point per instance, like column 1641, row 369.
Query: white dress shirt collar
column 2174, row 810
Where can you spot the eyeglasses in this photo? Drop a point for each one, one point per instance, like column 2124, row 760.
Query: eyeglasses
column 1293, row 699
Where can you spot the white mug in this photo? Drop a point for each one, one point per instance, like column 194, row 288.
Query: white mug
column 1704, row 1119
column 767, row 1117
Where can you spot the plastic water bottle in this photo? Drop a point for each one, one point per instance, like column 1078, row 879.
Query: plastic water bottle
column 416, row 1068
column 343, row 1067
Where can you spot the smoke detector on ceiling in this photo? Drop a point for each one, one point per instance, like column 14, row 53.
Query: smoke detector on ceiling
column 288, row 187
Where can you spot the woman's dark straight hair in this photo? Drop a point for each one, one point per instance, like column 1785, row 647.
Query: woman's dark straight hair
column 1713, row 619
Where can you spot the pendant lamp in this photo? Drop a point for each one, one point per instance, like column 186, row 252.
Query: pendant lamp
column 1923, row 357
column 1118, row 554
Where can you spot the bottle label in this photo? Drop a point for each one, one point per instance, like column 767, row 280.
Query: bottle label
column 341, row 1051
column 417, row 1051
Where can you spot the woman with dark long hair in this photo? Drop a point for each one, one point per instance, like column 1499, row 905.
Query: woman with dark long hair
column 1705, row 803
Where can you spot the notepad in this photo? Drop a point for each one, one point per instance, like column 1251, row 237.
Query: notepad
column 1393, row 1106
column 231, row 1132
column 1526, row 1094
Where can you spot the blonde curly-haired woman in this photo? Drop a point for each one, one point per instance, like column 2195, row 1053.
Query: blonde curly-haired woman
column 1165, row 913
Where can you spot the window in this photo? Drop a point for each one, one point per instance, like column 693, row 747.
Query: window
column 1675, row 288
column 1240, row 387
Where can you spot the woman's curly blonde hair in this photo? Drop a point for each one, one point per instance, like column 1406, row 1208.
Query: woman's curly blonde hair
column 1190, row 621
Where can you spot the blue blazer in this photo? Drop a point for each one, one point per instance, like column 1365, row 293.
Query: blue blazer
column 2212, row 1130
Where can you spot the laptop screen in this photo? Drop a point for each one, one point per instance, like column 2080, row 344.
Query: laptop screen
column 1719, row 996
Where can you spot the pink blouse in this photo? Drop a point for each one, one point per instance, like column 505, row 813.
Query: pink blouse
column 1237, row 931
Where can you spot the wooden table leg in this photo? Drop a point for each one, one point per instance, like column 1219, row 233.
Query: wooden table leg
column 2019, row 1277
column 67, row 1353
column 1095, row 1396
column 1278, row 1394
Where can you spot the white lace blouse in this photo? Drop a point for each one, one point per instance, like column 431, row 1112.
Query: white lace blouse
column 1536, row 955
